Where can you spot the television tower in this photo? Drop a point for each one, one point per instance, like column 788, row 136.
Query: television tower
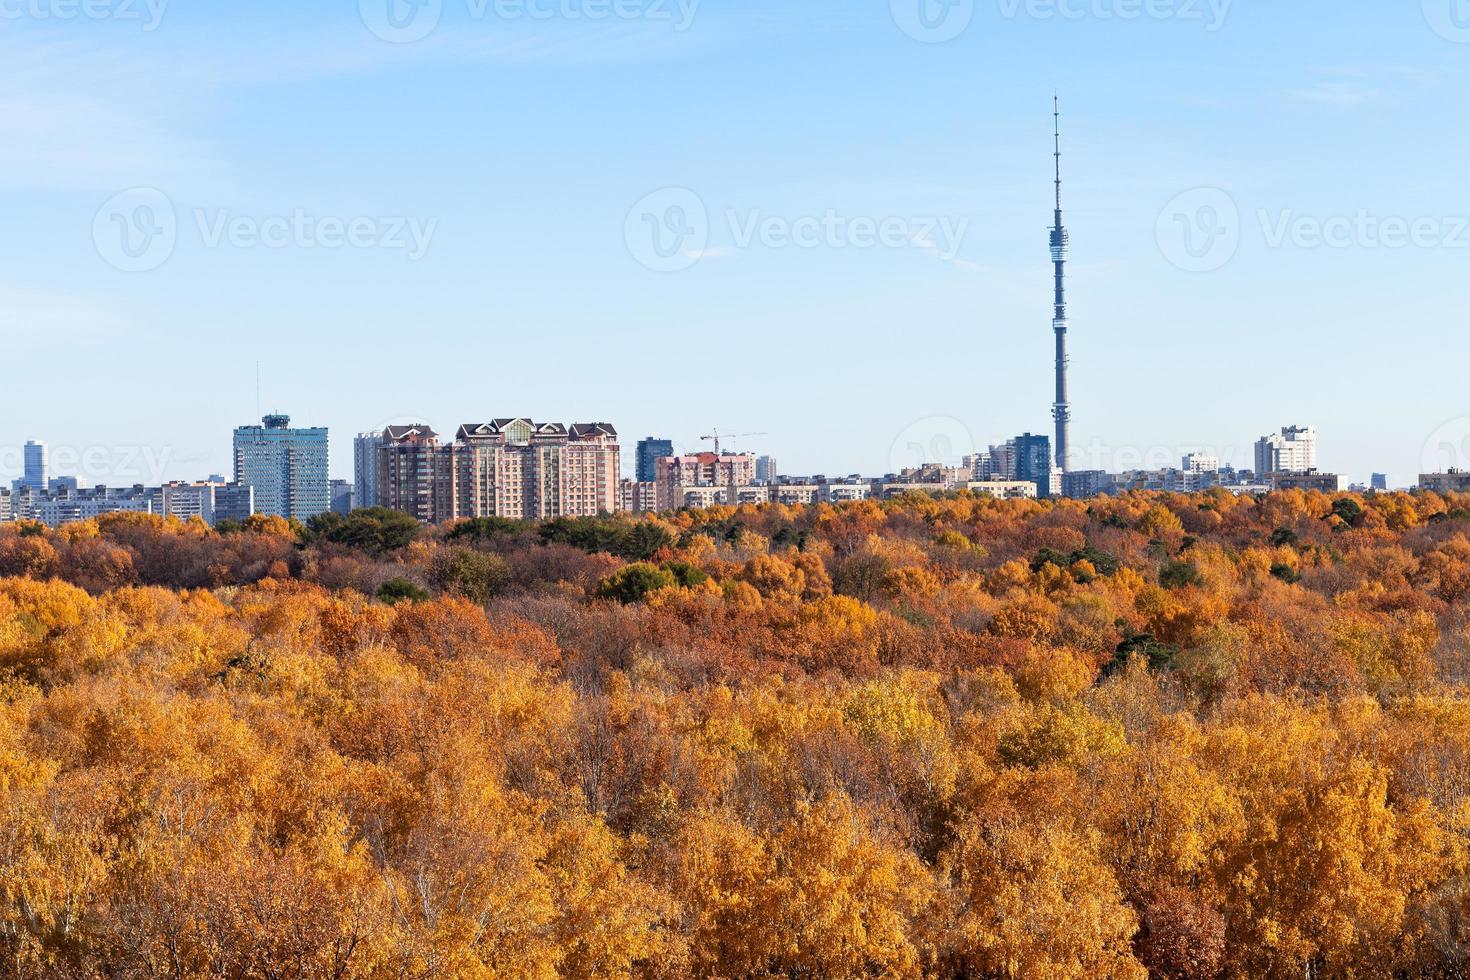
column 1062, row 408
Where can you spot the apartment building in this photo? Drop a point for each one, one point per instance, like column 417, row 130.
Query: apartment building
column 1005, row 489
column 528, row 470
column 515, row 468
column 1455, row 481
column 1293, row 450
column 637, row 496
column 365, row 447
column 66, row 506
column 210, row 501
column 845, row 491
column 1324, row 482
column 682, row 480
column 417, row 474
column 650, row 451
column 286, row 467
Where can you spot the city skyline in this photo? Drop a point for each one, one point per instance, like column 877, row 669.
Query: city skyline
column 1224, row 221
column 522, row 469
column 944, row 449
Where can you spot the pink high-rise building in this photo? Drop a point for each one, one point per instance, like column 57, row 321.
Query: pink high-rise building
column 512, row 468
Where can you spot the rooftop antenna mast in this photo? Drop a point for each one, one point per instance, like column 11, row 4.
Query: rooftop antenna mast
column 1060, row 241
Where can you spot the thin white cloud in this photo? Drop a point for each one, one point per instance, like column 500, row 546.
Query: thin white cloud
column 34, row 319
column 1351, row 86
column 1345, row 94
column 83, row 116
column 94, row 112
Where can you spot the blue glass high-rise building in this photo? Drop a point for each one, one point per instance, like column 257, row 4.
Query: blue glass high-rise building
column 1034, row 462
column 37, row 460
column 285, row 467
column 650, row 451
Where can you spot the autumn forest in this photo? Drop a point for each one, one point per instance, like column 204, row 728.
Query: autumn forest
column 1144, row 736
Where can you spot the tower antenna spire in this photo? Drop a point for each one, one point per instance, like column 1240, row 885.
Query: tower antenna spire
column 1056, row 114
column 1060, row 241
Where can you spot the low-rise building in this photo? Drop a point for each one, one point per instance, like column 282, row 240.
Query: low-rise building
column 1455, row 481
column 1248, row 489
column 845, row 491
column 1005, row 489
column 696, row 498
column 1324, row 482
column 1085, row 484
column 210, row 501
column 637, row 497
column 344, row 497
column 796, row 494
column 941, row 476
column 888, row 489
column 69, row 506
column 754, row 495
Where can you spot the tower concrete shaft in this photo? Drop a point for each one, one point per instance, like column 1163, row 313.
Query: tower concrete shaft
column 1062, row 407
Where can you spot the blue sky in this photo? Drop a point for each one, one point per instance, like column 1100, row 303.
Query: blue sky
column 456, row 226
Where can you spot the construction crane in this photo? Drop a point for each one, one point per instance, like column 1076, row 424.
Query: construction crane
column 739, row 435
